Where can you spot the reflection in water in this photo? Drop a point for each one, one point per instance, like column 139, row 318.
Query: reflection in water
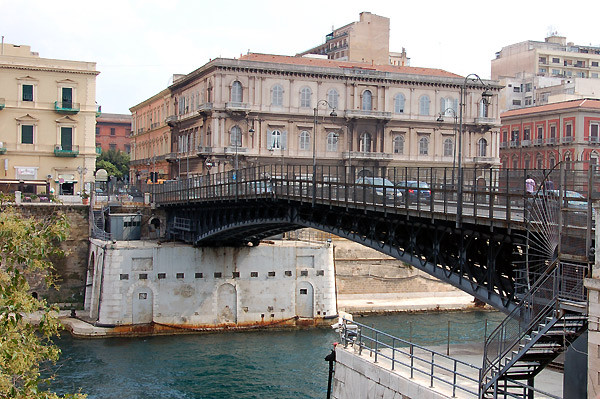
column 259, row 364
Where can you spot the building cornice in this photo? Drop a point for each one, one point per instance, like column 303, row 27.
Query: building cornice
column 48, row 69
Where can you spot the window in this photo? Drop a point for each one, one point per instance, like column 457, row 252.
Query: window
column 236, row 92
column 539, row 162
column 128, row 148
column 556, row 60
column 112, row 131
column 551, row 162
column 399, row 101
column 66, row 138
column 594, row 63
column 516, row 102
column 568, row 130
column 526, row 134
column 594, row 132
column 26, row 134
column 27, row 92
column 277, row 96
column 67, row 97
column 483, row 108
column 527, row 162
column 555, row 72
column 448, row 106
column 367, row 101
column 528, row 87
column 304, row 141
column 365, row 142
column 332, row 98
column 305, row 94
column 448, row 147
column 423, row 146
column 517, row 89
column 515, row 163
column 112, row 146
column 332, row 142
column 424, row 105
column 276, row 140
column 398, row 144
column 540, row 133
column 542, row 70
column 542, row 60
column 97, row 131
column 235, row 136
column 482, row 147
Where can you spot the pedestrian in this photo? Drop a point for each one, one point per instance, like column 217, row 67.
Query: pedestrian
column 529, row 185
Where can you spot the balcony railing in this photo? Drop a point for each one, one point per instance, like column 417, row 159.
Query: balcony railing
column 205, row 108
column 486, row 160
column 204, row 150
column 514, row 144
column 503, row 144
column 567, row 139
column 525, row 143
column 538, row 142
column 171, row 119
column 2, row 104
column 551, row 141
column 236, row 106
column 367, row 155
column 66, row 151
column 594, row 139
column 359, row 113
column 66, row 107
column 485, row 121
column 232, row 150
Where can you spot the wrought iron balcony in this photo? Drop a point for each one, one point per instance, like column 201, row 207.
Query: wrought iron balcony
column 368, row 155
column 66, row 107
column 364, row 114
column 66, row 151
column 2, row 104
column 236, row 106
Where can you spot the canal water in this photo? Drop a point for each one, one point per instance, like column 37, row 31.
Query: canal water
column 258, row 364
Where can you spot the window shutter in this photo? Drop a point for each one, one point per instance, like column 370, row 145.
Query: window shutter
column 269, row 139
column 443, row 106
column 284, row 140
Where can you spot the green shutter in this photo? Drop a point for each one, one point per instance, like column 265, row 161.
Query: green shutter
column 27, row 92
column 66, row 138
column 27, row 134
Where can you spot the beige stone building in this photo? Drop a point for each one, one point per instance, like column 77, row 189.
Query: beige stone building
column 538, row 73
column 47, row 122
column 366, row 40
column 260, row 110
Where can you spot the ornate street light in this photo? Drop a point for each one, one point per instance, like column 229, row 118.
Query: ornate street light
column 486, row 95
column 314, row 154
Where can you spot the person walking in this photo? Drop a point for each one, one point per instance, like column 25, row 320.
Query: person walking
column 530, row 185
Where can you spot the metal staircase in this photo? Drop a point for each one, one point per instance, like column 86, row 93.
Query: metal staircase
column 549, row 317
column 98, row 225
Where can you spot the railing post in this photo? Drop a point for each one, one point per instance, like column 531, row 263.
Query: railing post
column 393, row 352
column 376, row 346
column 454, row 380
column 432, row 370
column 412, row 360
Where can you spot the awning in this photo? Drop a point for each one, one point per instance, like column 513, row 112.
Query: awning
column 33, row 182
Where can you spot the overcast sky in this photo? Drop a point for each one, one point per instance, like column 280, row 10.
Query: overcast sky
column 139, row 44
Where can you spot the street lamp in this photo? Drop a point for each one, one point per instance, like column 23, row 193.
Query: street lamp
column 82, row 171
column 486, row 95
column 314, row 154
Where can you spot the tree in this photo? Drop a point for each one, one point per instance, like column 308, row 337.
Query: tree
column 115, row 162
column 27, row 246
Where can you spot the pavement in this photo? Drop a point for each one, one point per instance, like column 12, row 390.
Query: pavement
column 404, row 302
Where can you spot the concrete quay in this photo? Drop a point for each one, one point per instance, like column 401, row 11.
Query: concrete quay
column 378, row 303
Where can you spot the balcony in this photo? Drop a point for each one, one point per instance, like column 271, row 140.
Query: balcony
column 205, row 109
column 171, row 120
column 566, row 140
column 538, row 142
column 514, row 144
column 66, row 151
column 2, row 104
column 485, row 121
column 380, row 156
column 525, row 143
column 232, row 150
column 551, row 141
column 594, row 140
column 363, row 114
column 66, row 107
column 503, row 144
column 237, row 107
column 204, row 150
column 485, row 160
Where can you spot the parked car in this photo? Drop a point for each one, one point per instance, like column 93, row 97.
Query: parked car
column 415, row 190
column 375, row 189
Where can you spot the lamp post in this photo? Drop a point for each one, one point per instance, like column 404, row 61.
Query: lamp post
column 82, row 170
column 314, row 154
column 463, row 99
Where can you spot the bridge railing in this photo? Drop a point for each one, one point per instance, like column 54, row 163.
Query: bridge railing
column 421, row 363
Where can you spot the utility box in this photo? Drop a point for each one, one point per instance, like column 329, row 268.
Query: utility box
column 125, row 226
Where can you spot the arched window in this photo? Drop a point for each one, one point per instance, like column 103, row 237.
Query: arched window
column 304, row 144
column 527, row 162
column 423, row 146
column 448, row 147
column 551, row 162
column 398, row 144
column 365, row 142
column 448, row 106
column 367, row 100
column 276, row 140
column 236, row 92
column 332, row 141
column 539, row 160
column 332, row 98
column 399, row 101
column 424, row 105
column 235, row 136
column 482, row 147
column 305, row 95
column 277, row 96
column 515, row 162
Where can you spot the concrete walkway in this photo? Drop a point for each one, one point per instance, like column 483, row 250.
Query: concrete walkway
column 403, row 302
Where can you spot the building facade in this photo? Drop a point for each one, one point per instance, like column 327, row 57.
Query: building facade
column 113, row 132
column 47, row 122
column 260, row 109
column 366, row 40
column 538, row 73
column 151, row 139
column 539, row 137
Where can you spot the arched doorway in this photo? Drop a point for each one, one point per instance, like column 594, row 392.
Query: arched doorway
column 226, row 304
column 305, row 294
column 142, row 301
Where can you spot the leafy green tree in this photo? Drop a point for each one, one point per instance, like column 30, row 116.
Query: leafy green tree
column 27, row 246
column 115, row 162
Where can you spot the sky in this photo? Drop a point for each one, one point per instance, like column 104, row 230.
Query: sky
column 139, row 44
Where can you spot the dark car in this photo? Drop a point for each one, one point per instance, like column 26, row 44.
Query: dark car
column 375, row 189
column 415, row 190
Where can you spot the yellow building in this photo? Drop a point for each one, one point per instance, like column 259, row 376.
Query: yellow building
column 47, row 122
